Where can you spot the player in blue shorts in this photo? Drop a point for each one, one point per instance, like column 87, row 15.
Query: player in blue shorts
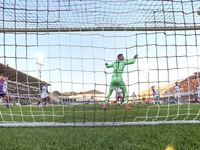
column 3, row 89
column 118, row 95
column 177, row 93
column 156, row 96
column 44, row 94
column 197, row 92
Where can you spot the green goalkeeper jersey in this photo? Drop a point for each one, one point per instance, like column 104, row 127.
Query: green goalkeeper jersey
column 118, row 67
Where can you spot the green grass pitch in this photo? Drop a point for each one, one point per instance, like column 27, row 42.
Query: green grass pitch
column 182, row 136
column 95, row 113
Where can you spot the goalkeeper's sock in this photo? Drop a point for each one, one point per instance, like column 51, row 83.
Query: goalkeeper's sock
column 44, row 104
column 38, row 103
column 8, row 101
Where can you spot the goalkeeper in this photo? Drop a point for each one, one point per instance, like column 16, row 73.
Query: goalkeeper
column 118, row 68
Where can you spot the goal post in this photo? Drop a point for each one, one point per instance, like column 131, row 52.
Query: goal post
column 87, row 29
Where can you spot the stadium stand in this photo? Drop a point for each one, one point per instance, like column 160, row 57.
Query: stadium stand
column 187, row 85
column 20, row 90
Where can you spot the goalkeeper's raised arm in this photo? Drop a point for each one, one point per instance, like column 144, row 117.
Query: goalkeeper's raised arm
column 125, row 61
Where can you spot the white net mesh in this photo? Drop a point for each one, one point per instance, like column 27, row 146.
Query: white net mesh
column 77, row 38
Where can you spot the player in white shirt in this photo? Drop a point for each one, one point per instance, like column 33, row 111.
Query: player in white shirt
column 44, row 94
column 5, row 89
column 118, row 95
column 177, row 92
column 5, row 86
column 133, row 98
column 92, row 98
column 198, row 91
column 156, row 96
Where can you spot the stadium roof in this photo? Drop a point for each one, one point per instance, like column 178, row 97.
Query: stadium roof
column 18, row 76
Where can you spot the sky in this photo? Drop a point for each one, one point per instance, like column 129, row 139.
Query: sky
column 76, row 61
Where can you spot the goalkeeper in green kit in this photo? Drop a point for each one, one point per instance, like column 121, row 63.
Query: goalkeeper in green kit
column 118, row 68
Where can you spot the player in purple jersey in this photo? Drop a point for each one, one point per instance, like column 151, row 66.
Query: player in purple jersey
column 6, row 88
column 3, row 89
column 2, row 94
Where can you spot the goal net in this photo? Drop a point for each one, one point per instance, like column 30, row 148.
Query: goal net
column 65, row 44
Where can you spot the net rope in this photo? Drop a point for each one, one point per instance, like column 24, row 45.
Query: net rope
column 76, row 37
